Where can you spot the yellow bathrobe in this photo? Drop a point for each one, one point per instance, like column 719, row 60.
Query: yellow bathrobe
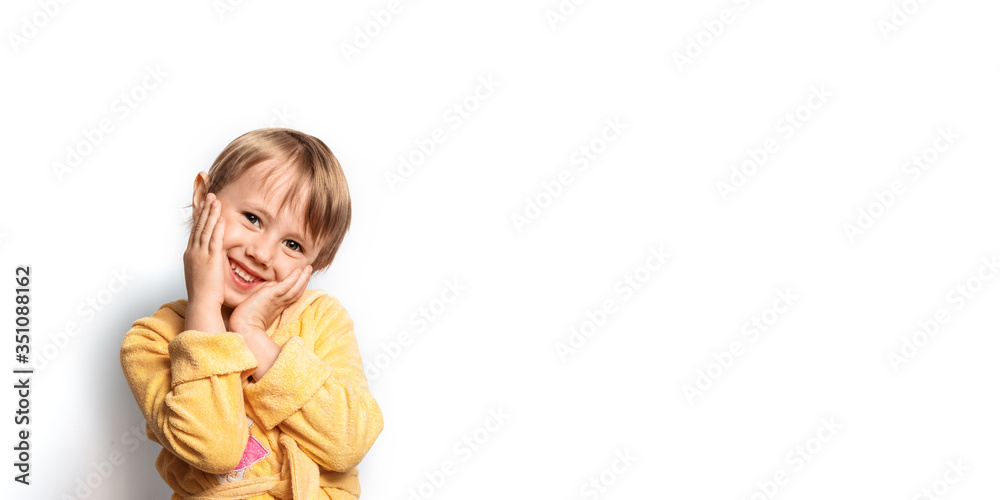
column 299, row 432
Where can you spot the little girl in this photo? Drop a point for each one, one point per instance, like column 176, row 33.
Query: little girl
column 254, row 385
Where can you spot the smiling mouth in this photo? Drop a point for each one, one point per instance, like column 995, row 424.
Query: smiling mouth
column 242, row 276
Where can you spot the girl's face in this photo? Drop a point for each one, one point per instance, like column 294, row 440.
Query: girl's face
column 260, row 243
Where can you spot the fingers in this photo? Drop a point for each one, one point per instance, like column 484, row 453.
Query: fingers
column 215, row 247
column 208, row 216
column 213, row 217
column 201, row 219
column 268, row 301
column 290, row 288
column 300, row 285
column 276, row 290
column 288, row 283
column 196, row 216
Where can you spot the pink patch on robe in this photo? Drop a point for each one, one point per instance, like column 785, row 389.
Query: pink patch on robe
column 253, row 452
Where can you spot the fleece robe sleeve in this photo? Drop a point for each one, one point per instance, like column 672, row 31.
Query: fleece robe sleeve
column 189, row 388
column 320, row 396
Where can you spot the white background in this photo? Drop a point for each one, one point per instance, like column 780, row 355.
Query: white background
column 687, row 126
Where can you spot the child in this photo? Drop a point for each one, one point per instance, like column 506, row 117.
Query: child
column 253, row 385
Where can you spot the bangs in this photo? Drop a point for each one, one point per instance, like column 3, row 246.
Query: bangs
column 307, row 173
column 301, row 194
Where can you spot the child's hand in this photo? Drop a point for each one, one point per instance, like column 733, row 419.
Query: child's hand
column 204, row 262
column 261, row 308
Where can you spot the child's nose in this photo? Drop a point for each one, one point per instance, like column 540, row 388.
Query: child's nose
column 260, row 253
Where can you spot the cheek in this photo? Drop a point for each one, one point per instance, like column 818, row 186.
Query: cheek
column 231, row 236
column 281, row 273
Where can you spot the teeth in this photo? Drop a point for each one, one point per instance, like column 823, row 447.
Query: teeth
column 239, row 272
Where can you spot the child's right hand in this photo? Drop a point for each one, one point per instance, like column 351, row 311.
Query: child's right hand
column 204, row 260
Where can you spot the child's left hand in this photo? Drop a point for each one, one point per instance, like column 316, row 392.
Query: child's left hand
column 261, row 308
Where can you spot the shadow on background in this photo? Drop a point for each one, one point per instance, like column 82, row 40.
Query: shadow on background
column 128, row 453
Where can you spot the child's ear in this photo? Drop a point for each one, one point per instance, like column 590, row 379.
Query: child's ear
column 200, row 188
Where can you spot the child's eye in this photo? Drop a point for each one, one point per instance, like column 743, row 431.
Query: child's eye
column 252, row 218
column 296, row 247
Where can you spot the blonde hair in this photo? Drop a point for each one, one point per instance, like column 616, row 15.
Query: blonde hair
column 328, row 204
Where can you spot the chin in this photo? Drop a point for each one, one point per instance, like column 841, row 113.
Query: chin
column 232, row 302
